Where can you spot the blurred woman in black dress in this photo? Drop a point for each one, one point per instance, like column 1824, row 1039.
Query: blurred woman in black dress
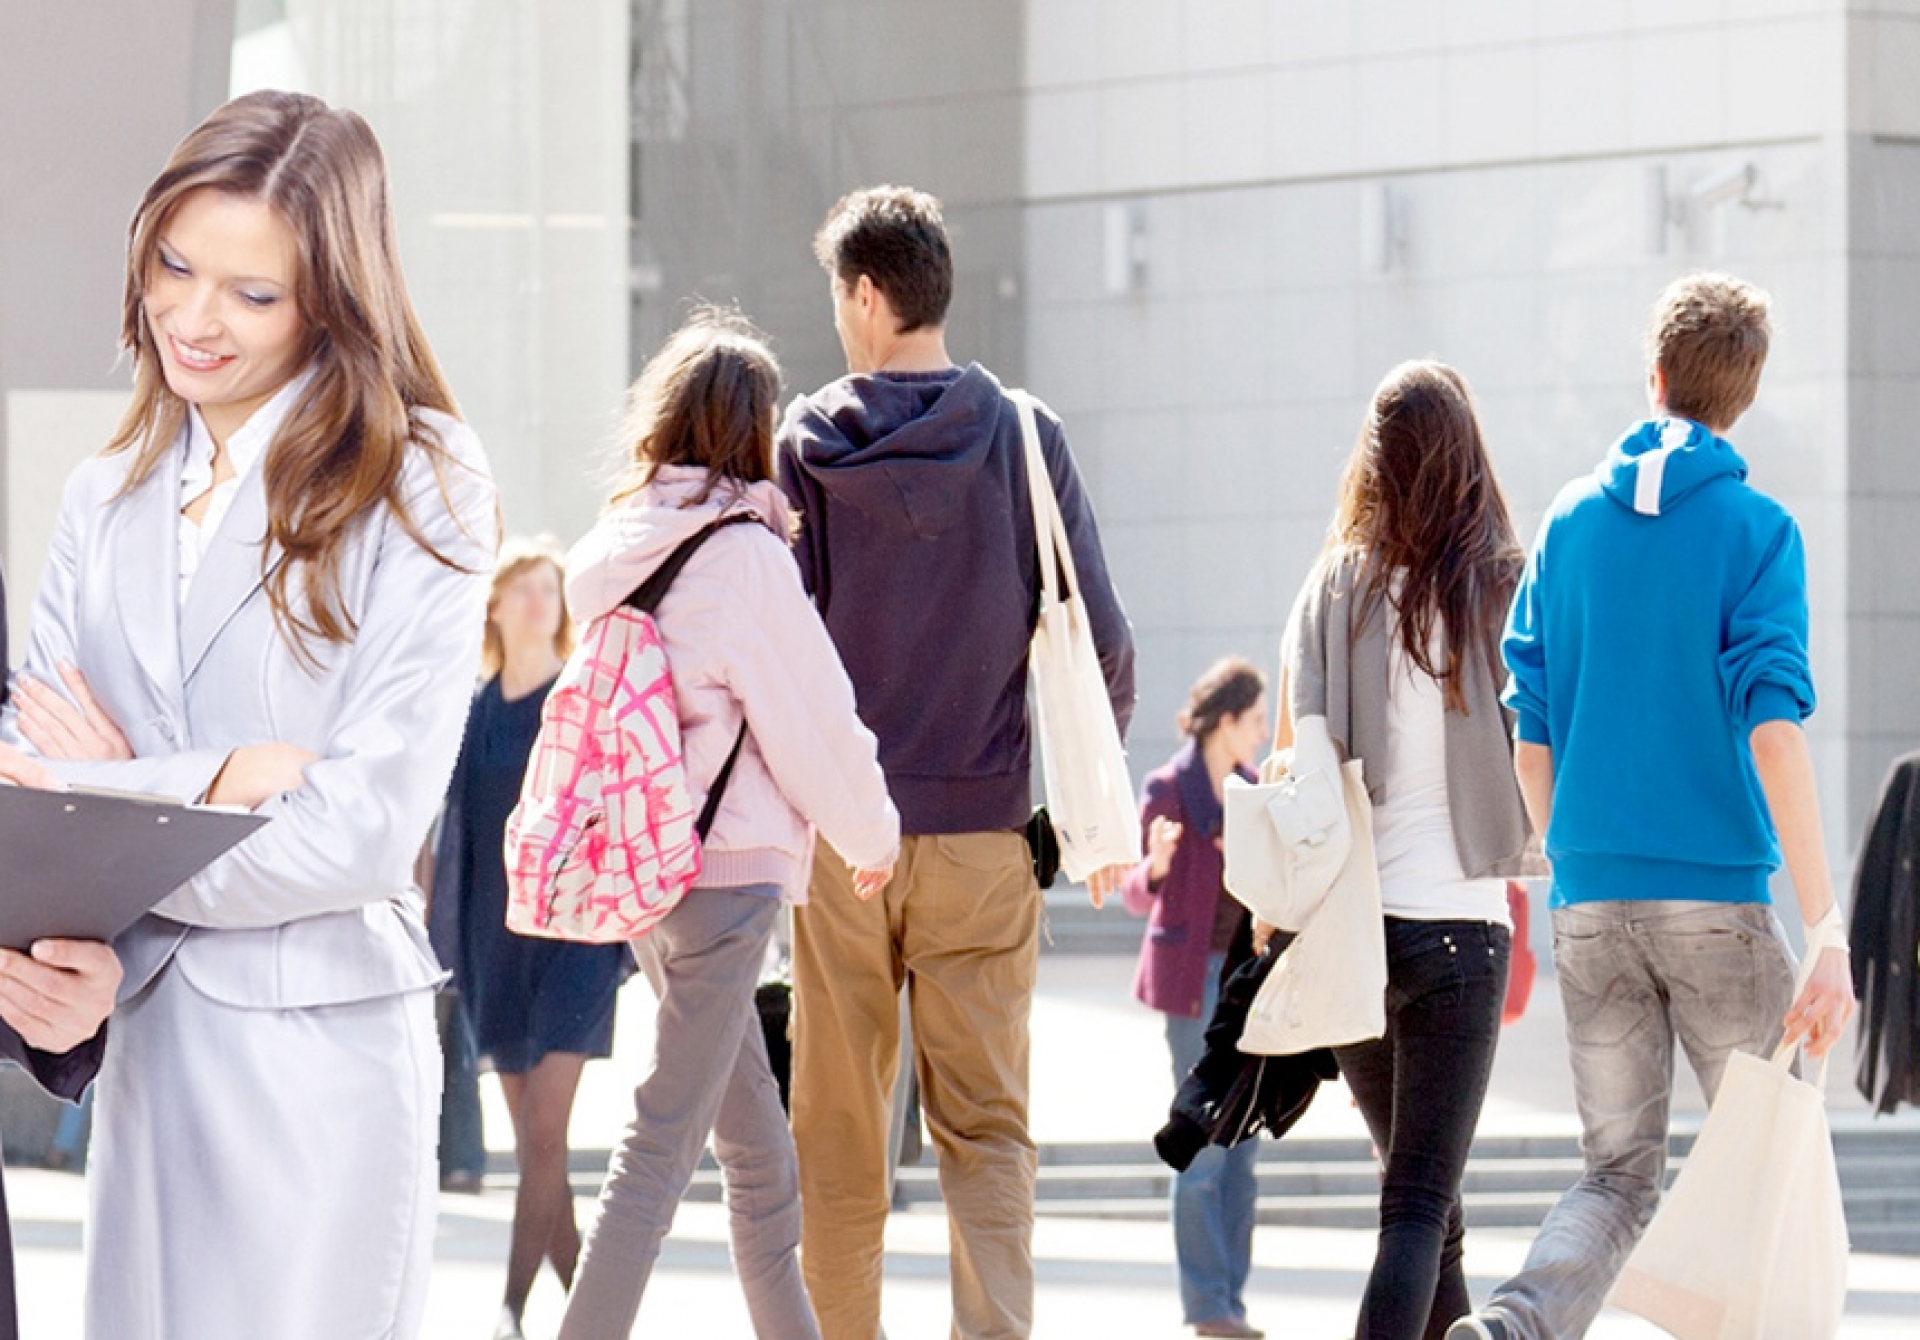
column 539, row 1008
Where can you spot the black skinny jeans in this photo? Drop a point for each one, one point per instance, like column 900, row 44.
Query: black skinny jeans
column 1420, row 1089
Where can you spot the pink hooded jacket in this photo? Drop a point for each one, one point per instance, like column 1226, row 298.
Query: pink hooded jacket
column 742, row 635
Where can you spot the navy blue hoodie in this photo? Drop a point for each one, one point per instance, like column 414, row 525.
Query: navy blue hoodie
column 916, row 540
column 1663, row 616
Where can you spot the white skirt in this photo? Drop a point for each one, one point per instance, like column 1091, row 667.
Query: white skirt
column 263, row 1174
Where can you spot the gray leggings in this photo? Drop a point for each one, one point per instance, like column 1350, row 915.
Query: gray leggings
column 709, row 1074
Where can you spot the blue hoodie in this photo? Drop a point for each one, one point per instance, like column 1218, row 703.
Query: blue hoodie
column 1663, row 615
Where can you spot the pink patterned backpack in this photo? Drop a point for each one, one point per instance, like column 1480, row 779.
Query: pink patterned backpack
column 604, row 841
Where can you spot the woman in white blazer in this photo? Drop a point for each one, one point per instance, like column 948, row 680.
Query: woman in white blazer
column 269, row 591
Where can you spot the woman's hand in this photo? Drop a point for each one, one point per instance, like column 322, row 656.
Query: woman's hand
column 1163, row 839
column 256, row 773
column 18, row 769
column 866, row 883
column 79, row 729
column 58, row 996
column 1262, row 932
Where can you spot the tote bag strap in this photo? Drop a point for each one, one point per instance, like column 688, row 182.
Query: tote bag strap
column 1048, row 524
column 1783, row 1054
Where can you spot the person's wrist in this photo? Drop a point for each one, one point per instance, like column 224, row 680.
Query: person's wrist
column 1829, row 931
column 220, row 789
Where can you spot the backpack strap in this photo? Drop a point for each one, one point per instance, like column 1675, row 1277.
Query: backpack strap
column 711, row 810
column 646, row 598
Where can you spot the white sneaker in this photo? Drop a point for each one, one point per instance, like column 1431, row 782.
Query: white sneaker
column 1476, row 1328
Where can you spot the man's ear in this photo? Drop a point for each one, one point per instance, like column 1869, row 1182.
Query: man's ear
column 874, row 307
column 1657, row 385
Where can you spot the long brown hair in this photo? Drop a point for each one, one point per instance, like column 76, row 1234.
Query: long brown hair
column 1419, row 502
column 340, row 452
column 706, row 399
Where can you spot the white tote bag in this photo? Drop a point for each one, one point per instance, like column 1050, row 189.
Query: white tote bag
column 1288, row 838
column 1089, row 792
column 1329, row 987
column 1751, row 1242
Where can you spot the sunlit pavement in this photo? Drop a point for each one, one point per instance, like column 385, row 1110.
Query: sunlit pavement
column 1099, row 1075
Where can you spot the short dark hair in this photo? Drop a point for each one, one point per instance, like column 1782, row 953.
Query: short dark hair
column 893, row 235
column 1231, row 686
column 1709, row 334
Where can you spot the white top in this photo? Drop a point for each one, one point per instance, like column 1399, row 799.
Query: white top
column 244, row 450
column 1420, row 875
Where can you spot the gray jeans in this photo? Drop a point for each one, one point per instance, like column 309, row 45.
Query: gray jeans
column 709, row 1073
column 1634, row 977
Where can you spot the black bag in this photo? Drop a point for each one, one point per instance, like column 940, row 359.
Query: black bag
column 1045, row 847
column 1230, row 1095
column 773, row 1002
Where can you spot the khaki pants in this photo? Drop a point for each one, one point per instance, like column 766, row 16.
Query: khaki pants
column 959, row 927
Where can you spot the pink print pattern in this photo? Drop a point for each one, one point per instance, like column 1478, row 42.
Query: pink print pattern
column 602, row 844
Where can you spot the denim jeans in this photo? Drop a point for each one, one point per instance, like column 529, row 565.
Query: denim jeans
column 1634, row 977
column 1215, row 1198
column 1420, row 1088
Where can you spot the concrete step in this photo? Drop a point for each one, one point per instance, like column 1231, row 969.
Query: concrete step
column 1512, row 1181
column 1504, row 1210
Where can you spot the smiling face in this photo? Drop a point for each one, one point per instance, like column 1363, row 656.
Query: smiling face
column 221, row 303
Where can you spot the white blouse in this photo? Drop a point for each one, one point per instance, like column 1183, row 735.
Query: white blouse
column 244, row 450
column 1420, row 875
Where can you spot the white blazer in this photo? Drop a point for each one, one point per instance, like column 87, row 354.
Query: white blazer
column 319, row 907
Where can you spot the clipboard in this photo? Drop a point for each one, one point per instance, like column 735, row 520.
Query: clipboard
column 85, row 865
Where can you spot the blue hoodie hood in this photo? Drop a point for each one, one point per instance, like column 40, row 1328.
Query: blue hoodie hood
column 1661, row 463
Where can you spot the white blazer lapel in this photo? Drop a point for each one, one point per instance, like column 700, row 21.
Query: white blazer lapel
column 146, row 573
column 232, row 571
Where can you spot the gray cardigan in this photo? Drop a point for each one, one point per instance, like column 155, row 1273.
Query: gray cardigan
column 1340, row 672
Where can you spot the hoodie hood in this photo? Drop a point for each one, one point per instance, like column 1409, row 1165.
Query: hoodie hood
column 901, row 447
column 1663, row 462
column 628, row 544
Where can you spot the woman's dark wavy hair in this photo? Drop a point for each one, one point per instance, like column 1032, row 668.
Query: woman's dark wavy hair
column 1419, row 502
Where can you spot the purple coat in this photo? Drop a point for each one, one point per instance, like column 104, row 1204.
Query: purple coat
column 1180, row 909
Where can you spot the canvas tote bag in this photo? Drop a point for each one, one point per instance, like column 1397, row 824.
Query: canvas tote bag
column 1329, row 988
column 1089, row 792
column 1288, row 837
column 1751, row 1242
